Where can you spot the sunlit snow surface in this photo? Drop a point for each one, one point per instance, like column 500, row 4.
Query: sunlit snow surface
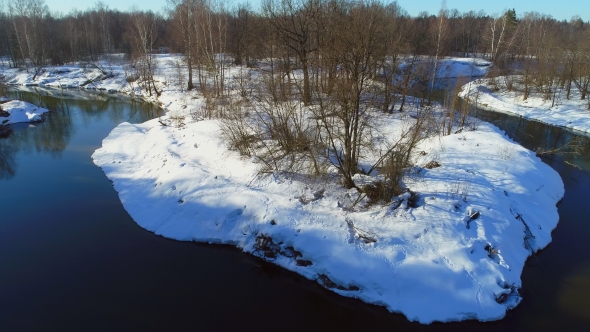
column 20, row 111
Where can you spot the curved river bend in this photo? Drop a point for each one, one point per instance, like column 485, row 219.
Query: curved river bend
column 71, row 258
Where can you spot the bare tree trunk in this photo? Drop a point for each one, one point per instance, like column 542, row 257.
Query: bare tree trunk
column 441, row 31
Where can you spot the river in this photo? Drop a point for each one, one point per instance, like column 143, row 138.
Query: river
column 71, row 258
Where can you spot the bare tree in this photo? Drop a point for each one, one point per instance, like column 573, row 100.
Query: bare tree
column 392, row 63
column 104, row 23
column 441, row 35
column 143, row 36
column 500, row 27
column 296, row 22
column 28, row 21
column 6, row 44
column 182, row 14
column 582, row 66
column 343, row 116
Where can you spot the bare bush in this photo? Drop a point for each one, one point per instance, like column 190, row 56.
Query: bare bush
column 506, row 151
column 377, row 192
column 236, row 130
column 244, row 81
column 197, row 113
column 176, row 118
column 291, row 138
column 460, row 189
column 394, row 164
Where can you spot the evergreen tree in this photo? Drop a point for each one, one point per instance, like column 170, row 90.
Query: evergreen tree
column 510, row 16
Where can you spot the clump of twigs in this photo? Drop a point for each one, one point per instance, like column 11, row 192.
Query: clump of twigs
column 377, row 191
column 492, row 252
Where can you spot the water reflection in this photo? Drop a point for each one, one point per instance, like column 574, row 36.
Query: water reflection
column 54, row 134
column 574, row 296
column 50, row 137
column 7, row 162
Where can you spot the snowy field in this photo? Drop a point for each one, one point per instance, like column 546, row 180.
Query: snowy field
column 453, row 252
column 16, row 111
column 573, row 113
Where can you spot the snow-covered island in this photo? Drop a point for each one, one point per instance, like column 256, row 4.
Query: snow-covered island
column 455, row 253
column 452, row 248
column 554, row 108
column 15, row 111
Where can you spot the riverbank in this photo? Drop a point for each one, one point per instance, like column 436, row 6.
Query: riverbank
column 493, row 95
column 113, row 75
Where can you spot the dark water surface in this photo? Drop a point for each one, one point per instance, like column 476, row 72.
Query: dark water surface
column 71, row 258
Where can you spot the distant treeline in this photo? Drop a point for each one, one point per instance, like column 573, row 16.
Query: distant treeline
column 307, row 31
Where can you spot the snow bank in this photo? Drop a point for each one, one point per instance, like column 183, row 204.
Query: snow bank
column 570, row 113
column 457, row 255
column 20, row 111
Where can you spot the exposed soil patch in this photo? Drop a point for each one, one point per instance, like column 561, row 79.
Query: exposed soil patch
column 432, row 164
column 266, row 247
column 325, row 281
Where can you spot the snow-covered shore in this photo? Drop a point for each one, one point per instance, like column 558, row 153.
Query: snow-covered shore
column 105, row 76
column 570, row 113
column 111, row 76
column 20, row 111
column 457, row 255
